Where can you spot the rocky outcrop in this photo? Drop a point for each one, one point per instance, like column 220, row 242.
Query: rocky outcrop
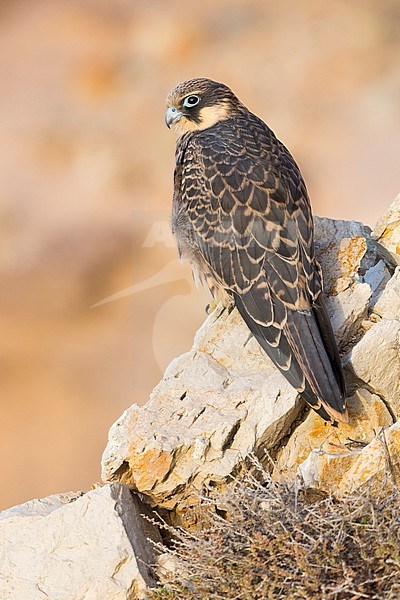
column 77, row 547
column 387, row 305
column 376, row 466
column 375, row 362
column 367, row 415
column 215, row 405
column 387, row 233
column 224, row 398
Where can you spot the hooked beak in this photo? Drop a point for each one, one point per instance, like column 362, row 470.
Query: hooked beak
column 172, row 116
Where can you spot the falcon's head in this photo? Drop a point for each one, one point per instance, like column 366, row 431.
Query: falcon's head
column 198, row 104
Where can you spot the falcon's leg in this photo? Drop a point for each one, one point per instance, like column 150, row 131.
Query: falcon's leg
column 214, row 304
column 220, row 298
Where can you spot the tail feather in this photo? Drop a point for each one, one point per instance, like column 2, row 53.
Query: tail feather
column 308, row 358
column 308, row 346
column 328, row 337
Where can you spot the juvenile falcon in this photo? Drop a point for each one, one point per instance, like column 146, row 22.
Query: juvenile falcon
column 242, row 216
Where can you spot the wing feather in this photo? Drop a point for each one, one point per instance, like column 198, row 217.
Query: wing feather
column 248, row 223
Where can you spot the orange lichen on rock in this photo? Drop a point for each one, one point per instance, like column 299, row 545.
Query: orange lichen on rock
column 149, row 468
column 375, row 465
column 343, row 258
column 367, row 414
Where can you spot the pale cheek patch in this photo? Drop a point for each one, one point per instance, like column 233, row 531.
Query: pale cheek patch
column 209, row 115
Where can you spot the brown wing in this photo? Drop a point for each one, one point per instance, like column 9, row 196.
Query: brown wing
column 242, row 208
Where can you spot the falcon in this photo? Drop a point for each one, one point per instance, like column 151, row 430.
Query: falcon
column 241, row 215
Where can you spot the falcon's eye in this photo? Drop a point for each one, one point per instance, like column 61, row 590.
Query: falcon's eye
column 191, row 101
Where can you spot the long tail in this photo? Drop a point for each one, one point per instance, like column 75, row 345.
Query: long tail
column 305, row 352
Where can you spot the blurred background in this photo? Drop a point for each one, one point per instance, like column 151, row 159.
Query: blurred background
column 93, row 302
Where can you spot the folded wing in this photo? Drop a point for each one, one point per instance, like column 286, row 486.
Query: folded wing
column 251, row 224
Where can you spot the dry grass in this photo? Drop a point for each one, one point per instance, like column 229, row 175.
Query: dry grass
column 278, row 544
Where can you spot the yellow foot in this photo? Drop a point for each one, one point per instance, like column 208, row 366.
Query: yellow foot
column 210, row 308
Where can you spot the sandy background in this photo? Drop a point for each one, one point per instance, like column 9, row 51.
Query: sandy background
column 86, row 178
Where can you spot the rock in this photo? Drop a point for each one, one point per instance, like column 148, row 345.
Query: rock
column 374, row 466
column 340, row 261
column 328, row 231
column 41, row 506
column 168, row 565
column 215, row 404
column 387, row 233
column 225, row 398
column 375, row 361
column 341, row 248
column 77, row 546
column 367, row 414
column 388, row 304
column 347, row 311
column 377, row 277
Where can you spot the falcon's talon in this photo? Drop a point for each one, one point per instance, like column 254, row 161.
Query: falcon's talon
column 230, row 307
column 211, row 307
column 221, row 311
column 226, row 308
column 248, row 339
column 242, row 216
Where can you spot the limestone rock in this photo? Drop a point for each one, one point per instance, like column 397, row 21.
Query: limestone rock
column 340, row 260
column 40, row 506
column 77, row 547
column 341, row 248
column 333, row 231
column 167, row 565
column 225, row 398
column 375, row 361
column 215, row 404
column 330, row 230
column 377, row 278
column 387, row 233
column 388, row 304
column 376, row 465
column 367, row 414
column 347, row 311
